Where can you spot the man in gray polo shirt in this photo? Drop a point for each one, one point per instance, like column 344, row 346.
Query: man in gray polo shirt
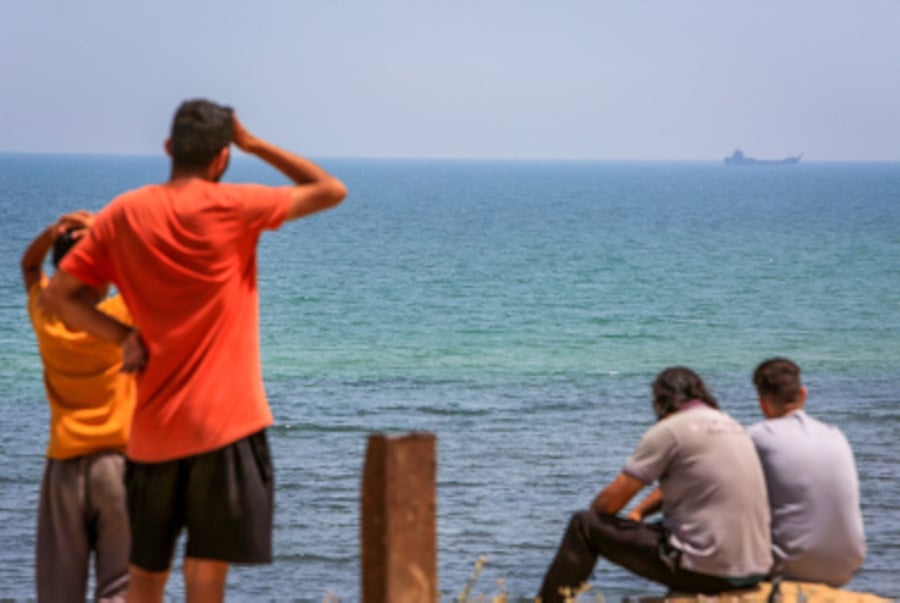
column 714, row 535
column 817, row 527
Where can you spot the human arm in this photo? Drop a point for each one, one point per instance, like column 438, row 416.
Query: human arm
column 33, row 259
column 68, row 297
column 616, row 495
column 314, row 188
column 650, row 505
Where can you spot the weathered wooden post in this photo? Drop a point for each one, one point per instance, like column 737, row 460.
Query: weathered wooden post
column 399, row 529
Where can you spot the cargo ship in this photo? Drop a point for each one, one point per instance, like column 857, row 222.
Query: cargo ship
column 738, row 158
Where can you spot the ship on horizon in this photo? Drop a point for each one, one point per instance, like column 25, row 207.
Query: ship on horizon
column 738, row 158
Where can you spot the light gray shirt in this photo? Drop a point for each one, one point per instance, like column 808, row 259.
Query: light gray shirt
column 817, row 527
column 714, row 493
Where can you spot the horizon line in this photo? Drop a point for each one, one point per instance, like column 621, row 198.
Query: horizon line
column 244, row 156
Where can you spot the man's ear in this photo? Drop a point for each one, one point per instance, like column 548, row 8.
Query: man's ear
column 765, row 408
column 168, row 146
column 220, row 163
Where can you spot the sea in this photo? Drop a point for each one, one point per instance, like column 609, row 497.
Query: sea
column 518, row 310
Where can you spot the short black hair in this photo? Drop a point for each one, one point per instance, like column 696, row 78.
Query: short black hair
column 62, row 244
column 778, row 380
column 676, row 385
column 200, row 129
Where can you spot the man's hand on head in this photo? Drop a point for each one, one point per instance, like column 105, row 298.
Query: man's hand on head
column 241, row 138
column 79, row 221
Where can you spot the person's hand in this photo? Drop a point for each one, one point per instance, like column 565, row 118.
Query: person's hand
column 134, row 353
column 78, row 222
column 243, row 139
column 635, row 515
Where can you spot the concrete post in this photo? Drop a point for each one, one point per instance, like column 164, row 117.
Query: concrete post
column 399, row 529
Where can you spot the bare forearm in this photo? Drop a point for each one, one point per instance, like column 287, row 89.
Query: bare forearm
column 650, row 505
column 616, row 495
column 296, row 168
column 65, row 296
column 80, row 314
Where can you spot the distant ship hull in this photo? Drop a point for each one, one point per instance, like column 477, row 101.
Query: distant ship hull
column 738, row 158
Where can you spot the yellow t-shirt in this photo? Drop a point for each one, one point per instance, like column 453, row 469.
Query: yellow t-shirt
column 91, row 401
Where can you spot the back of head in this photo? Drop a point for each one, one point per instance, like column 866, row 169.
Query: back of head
column 200, row 129
column 778, row 381
column 676, row 385
column 63, row 243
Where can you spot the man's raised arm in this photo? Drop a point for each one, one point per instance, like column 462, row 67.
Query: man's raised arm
column 68, row 298
column 315, row 189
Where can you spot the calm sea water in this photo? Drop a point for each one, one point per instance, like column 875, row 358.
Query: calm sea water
column 519, row 310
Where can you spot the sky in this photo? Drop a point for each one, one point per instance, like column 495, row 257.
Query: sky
column 510, row 79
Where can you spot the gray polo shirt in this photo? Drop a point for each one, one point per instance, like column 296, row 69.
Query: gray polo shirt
column 817, row 527
column 714, row 493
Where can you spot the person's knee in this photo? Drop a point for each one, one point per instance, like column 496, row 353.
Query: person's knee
column 584, row 518
column 581, row 521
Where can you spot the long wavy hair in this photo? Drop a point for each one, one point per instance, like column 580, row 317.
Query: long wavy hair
column 676, row 385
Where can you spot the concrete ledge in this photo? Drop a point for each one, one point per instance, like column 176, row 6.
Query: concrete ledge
column 791, row 592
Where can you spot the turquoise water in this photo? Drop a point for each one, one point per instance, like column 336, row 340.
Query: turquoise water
column 520, row 311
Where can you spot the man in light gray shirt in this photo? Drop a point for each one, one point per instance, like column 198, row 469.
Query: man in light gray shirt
column 715, row 533
column 817, row 527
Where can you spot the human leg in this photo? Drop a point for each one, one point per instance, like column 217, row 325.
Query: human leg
column 224, row 498
column 145, row 586
column 229, row 513
column 590, row 535
column 155, row 495
column 633, row 545
column 63, row 547
column 110, row 531
column 204, row 580
column 230, row 503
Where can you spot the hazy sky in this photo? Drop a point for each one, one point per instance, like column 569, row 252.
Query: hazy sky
column 582, row 79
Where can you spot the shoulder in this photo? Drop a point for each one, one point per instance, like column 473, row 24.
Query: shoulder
column 34, row 291
column 249, row 191
column 34, row 295
column 260, row 206
column 121, row 209
column 660, row 438
column 704, row 420
column 124, row 200
column 793, row 429
column 770, row 430
column 827, row 432
column 758, row 429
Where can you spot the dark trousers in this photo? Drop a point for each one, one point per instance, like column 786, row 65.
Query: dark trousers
column 638, row 547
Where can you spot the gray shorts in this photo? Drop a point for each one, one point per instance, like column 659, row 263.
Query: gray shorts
column 224, row 499
column 82, row 511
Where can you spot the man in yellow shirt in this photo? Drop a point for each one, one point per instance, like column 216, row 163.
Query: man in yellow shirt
column 82, row 505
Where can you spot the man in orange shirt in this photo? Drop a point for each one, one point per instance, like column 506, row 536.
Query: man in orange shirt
column 82, row 505
column 183, row 255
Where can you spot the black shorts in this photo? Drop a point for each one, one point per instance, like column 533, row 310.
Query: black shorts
column 223, row 498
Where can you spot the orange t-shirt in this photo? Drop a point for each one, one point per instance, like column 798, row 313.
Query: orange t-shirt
column 183, row 255
column 91, row 401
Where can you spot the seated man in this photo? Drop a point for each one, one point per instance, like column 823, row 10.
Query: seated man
column 714, row 534
column 817, row 527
